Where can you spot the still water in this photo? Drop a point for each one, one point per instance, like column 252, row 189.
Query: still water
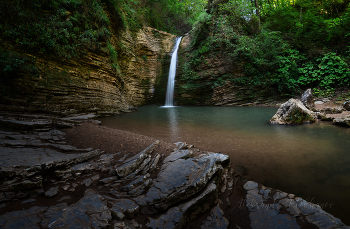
column 310, row 161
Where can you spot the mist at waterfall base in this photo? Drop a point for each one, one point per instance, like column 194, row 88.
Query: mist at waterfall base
column 169, row 100
column 310, row 161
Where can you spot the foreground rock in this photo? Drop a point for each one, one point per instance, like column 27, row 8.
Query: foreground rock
column 173, row 191
column 293, row 112
column 266, row 205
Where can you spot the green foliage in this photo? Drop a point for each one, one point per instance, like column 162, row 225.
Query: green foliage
column 60, row 27
column 13, row 64
column 174, row 16
column 326, row 72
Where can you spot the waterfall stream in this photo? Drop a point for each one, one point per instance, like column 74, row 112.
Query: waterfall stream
column 169, row 101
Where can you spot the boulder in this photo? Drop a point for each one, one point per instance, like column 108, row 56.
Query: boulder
column 346, row 106
column 307, row 99
column 293, row 112
column 344, row 121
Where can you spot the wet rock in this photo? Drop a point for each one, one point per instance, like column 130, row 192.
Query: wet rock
column 346, row 106
column 132, row 163
column 307, row 99
column 291, row 206
column 134, row 183
column 29, row 201
column 192, row 175
column 293, row 112
column 66, row 187
column 171, row 220
column 88, row 212
column 87, row 182
column 117, row 213
column 52, row 192
column 108, row 180
column 324, row 220
column 249, row 185
column 64, row 198
column 345, row 121
column 216, row 220
column 22, row 219
column 180, row 154
column 144, row 207
column 128, row 207
column 269, row 218
column 140, row 189
column 279, row 195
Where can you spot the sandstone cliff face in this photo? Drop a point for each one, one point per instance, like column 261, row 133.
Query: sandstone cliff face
column 90, row 83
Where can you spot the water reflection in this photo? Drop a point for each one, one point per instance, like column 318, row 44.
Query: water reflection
column 173, row 123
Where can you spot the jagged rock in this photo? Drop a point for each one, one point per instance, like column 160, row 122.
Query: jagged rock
column 132, row 163
column 128, row 207
column 192, row 175
column 346, row 106
column 134, row 183
column 176, row 217
column 108, row 180
column 293, row 112
column 52, row 192
column 171, row 220
column 22, row 219
column 216, row 220
column 345, row 121
column 307, row 99
column 88, row 212
column 29, row 201
column 249, row 185
column 140, row 189
column 87, row 182
column 263, row 214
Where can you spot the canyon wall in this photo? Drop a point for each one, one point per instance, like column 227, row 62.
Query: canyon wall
column 91, row 83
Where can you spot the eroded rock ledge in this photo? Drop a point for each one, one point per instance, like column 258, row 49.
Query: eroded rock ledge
column 146, row 190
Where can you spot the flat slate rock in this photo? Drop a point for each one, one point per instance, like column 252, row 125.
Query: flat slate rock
column 216, row 220
column 192, row 174
column 263, row 214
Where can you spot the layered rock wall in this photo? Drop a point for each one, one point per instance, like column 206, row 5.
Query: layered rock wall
column 91, row 83
column 212, row 81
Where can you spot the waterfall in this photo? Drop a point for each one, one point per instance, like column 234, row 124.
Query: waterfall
column 169, row 101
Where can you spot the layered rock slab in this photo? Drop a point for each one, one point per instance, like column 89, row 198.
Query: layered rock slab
column 264, row 214
column 192, row 174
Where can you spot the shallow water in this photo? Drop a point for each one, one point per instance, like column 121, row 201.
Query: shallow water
column 311, row 161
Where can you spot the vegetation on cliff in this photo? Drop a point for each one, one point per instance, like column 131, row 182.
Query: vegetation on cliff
column 273, row 47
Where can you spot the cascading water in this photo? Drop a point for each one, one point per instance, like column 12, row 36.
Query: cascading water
column 171, row 80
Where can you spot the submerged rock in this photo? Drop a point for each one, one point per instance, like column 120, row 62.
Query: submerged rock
column 293, row 112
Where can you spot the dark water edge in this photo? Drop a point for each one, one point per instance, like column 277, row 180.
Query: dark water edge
column 312, row 161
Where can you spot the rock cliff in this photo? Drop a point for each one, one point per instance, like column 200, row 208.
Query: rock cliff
column 212, row 80
column 91, row 83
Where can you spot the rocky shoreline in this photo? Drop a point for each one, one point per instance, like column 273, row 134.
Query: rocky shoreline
column 49, row 183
